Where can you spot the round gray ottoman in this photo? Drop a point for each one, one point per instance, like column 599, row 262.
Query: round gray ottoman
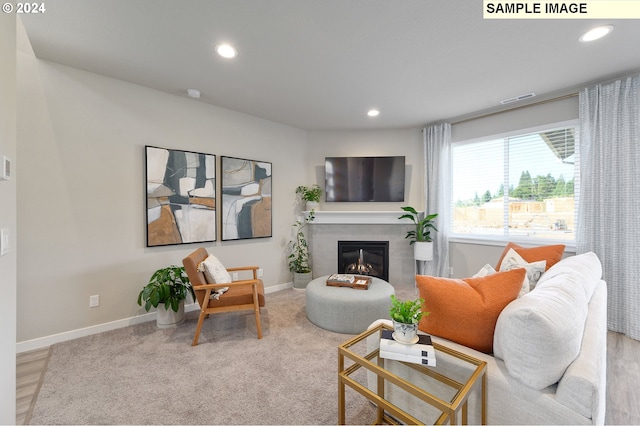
column 347, row 310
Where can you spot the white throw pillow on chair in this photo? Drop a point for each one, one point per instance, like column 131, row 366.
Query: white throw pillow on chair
column 214, row 271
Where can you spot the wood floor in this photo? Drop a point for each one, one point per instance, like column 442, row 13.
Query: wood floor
column 623, row 379
column 30, row 369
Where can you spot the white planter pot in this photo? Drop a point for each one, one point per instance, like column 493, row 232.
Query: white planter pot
column 167, row 318
column 312, row 205
column 405, row 333
column 423, row 250
column 300, row 280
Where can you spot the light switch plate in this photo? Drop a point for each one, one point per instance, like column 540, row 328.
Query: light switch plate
column 4, row 241
column 6, row 168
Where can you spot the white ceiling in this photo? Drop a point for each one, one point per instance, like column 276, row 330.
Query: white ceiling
column 321, row 64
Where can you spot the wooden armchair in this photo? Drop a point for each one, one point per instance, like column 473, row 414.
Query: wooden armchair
column 242, row 295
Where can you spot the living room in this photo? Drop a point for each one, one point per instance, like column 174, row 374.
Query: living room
column 76, row 210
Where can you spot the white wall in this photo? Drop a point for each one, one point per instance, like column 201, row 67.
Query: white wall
column 81, row 202
column 8, row 269
column 534, row 115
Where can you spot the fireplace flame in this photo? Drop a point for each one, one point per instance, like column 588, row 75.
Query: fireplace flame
column 361, row 267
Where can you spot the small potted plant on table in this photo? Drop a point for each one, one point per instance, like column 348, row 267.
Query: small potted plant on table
column 406, row 315
column 167, row 288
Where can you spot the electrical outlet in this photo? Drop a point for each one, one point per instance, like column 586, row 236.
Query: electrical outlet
column 260, row 272
column 94, row 301
column 234, row 277
column 450, row 271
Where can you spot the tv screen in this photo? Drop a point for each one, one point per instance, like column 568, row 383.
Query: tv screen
column 378, row 179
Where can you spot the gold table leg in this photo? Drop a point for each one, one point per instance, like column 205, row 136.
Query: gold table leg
column 341, row 391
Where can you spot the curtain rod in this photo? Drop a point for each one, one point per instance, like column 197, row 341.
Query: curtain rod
column 540, row 102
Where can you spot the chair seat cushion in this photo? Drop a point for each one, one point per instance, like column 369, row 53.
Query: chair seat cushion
column 239, row 295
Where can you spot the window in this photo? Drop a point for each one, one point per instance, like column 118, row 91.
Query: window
column 523, row 185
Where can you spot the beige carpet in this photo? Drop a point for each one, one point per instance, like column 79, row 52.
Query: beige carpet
column 144, row 375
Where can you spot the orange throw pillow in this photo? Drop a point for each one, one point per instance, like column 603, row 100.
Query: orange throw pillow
column 466, row 311
column 552, row 254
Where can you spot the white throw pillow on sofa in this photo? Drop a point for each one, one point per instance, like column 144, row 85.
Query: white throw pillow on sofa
column 214, row 271
column 487, row 270
column 539, row 335
column 513, row 260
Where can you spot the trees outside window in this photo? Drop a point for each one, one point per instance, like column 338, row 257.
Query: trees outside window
column 521, row 184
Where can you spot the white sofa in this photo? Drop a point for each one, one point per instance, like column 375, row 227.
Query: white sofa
column 549, row 360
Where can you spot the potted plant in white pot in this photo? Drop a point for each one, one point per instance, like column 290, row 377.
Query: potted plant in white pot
column 166, row 291
column 420, row 237
column 406, row 315
column 299, row 256
column 310, row 195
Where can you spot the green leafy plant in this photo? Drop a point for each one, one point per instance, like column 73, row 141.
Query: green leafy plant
column 309, row 193
column 407, row 311
column 299, row 257
column 167, row 285
column 424, row 225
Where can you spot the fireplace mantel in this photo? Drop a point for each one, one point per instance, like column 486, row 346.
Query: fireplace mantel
column 323, row 217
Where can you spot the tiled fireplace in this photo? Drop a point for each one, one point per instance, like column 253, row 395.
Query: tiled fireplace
column 330, row 227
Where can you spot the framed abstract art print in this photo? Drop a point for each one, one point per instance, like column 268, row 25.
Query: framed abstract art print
column 181, row 196
column 246, row 199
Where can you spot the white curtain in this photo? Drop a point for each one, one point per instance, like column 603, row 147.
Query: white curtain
column 610, row 194
column 437, row 188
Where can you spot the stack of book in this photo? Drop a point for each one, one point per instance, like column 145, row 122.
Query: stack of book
column 342, row 278
column 421, row 352
column 348, row 280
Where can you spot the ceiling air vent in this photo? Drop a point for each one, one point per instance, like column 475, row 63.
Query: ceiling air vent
column 518, row 98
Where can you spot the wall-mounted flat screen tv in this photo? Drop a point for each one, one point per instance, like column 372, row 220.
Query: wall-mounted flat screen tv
column 379, row 179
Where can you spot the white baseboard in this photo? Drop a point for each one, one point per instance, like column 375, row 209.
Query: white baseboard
column 43, row 342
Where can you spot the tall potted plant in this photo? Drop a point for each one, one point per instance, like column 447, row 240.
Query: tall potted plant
column 310, row 195
column 299, row 256
column 166, row 291
column 420, row 237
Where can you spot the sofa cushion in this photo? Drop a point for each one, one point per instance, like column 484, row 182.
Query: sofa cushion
column 214, row 271
column 539, row 335
column 551, row 254
column 465, row 311
column 583, row 270
column 582, row 387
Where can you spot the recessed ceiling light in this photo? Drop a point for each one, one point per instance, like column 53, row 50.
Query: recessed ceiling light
column 373, row 113
column 226, row 51
column 596, row 33
column 193, row 93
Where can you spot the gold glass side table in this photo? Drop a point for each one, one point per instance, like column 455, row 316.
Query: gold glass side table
column 445, row 395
